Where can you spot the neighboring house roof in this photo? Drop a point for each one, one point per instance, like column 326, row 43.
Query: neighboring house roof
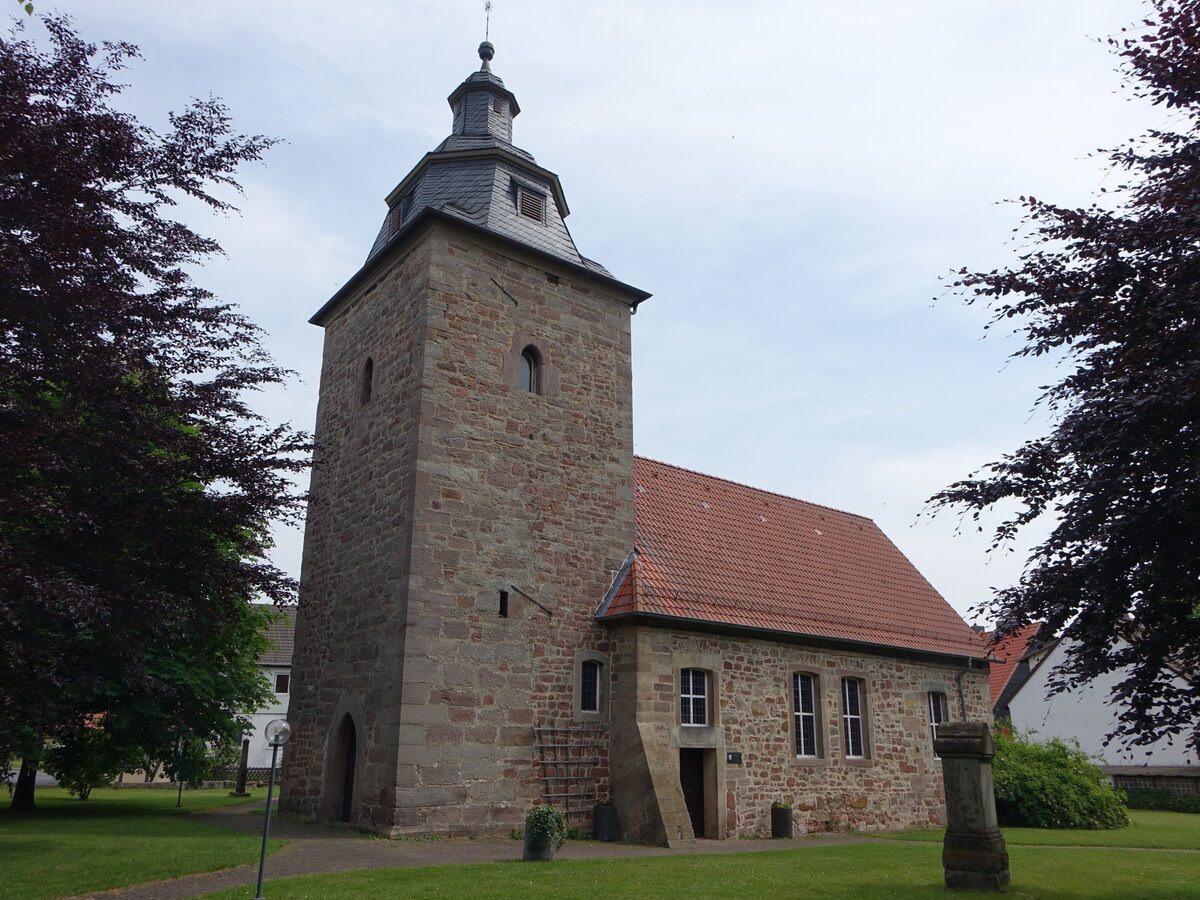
column 282, row 634
column 1009, row 651
column 713, row 551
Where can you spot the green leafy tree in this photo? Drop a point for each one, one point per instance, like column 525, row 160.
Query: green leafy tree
column 87, row 755
column 1114, row 290
column 1051, row 785
column 136, row 484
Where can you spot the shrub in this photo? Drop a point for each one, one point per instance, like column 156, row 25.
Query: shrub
column 545, row 824
column 1051, row 784
column 87, row 755
column 1157, row 798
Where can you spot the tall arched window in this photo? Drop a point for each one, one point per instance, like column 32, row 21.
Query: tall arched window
column 589, row 686
column 531, row 363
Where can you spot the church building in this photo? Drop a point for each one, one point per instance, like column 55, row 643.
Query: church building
column 500, row 606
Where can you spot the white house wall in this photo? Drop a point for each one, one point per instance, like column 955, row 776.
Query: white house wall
column 1085, row 715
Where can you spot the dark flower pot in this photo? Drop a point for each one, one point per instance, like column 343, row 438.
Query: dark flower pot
column 604, row 827
column 781, row 821
column 537, row 849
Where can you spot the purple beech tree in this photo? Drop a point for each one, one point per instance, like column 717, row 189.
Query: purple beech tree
column 1114, row 289
column 136, row 484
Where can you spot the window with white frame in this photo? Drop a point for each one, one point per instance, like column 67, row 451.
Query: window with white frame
column 937, row 712
column 589, row 686
column 283, row 682
column 693, row 697
column 804, row 711
column 853, row 726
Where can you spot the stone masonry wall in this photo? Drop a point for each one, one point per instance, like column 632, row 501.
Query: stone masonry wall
column 898, row 786
column 353, row 591
column 526, row 493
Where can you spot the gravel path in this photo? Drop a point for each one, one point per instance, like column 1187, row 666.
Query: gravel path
column 315, row 849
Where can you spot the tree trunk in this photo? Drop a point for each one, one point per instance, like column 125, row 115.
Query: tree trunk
column 22, row 798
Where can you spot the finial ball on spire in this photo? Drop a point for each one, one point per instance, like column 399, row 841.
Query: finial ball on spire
column 486, row 51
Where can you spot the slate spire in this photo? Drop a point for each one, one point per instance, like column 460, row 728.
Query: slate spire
column 478, row 176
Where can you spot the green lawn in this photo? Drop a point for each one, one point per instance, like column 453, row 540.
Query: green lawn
column 854, row 872
column 1147, row 828
column 132, row 836
column 115, row 838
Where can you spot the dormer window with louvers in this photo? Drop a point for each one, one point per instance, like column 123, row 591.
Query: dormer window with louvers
column 531, row 204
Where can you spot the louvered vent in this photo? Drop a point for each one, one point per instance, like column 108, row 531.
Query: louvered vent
column 498, row 106
column 531, row 205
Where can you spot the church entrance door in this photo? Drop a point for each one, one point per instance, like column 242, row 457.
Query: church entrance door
column 691, row 779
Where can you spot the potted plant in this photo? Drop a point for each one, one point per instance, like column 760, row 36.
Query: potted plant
column 545, row 832
column 781, row 819
column 604, row 826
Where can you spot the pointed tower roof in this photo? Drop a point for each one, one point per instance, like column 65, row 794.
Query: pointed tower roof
column 477, row 174
column 477, row 177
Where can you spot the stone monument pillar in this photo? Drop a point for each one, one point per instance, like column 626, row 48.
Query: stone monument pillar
column 973, row 853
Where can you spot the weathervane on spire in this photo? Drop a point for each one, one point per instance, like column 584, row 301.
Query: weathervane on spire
column 486, row 50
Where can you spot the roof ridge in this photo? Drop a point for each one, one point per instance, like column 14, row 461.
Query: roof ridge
column 756, row 490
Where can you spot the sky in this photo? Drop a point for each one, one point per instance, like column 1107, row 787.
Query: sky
column 793, row 182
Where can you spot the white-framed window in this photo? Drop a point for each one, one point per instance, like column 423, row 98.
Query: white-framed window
column 589, row 686
column 804, row 712
column 283, row 682
column 937, row 713
column 853, row 724
column 693, row 697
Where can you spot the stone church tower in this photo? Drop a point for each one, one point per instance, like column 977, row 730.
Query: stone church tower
column 472, row 501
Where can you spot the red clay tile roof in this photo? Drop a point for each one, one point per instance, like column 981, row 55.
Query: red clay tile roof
column 1010, row 651
column 716, row 551
column 282, row 635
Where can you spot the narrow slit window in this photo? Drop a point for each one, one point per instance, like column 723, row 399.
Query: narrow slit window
column 504, row 604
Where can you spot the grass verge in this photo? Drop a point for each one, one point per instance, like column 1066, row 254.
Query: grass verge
column 115, row 838
column 1147, row 828
column 855, row 872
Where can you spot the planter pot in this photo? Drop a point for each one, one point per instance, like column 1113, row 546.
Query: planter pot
column 604, row 826
column 537, row 849
column 781, row 821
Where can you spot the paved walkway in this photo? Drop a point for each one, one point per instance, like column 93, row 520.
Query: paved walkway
column 314, row 849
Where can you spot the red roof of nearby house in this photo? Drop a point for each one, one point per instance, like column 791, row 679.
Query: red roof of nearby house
column 715, row 551
column 1010, row 651
column 282, row 634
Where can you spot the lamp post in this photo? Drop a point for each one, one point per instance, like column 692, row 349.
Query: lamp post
column 278, row 731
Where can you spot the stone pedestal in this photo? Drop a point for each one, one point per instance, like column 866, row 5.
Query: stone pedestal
column 973, row 853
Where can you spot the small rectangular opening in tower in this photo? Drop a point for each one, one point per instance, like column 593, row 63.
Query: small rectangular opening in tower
column 504, row 604
column 531, row 205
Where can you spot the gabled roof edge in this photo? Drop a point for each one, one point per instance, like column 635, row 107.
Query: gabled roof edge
column 615, row 587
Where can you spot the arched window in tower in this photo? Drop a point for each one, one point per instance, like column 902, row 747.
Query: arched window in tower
column 368, row 378
column 531, row 370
